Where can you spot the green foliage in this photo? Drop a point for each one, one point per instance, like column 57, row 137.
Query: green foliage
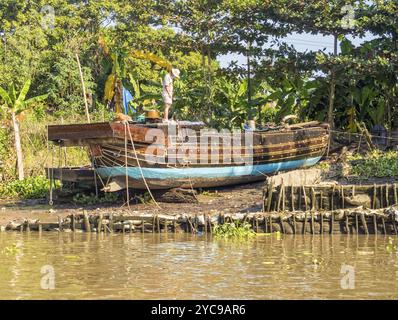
column 376, row 164
column 236, row 230
column 191, row 35
column 29, row 188
column 106, row 198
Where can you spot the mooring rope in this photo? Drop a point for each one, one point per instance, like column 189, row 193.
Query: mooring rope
column 139, row 165
column 361, row 134
column 126, row 163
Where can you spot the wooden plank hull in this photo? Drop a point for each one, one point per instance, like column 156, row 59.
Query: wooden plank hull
column 181, row 159
column 205, row 177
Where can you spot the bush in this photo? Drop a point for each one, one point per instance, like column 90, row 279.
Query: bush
column 92, row 199
column 375, row 164
column 234, row 230
column 29, row 188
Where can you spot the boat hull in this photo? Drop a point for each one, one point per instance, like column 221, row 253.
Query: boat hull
column 205, row 177
column 127, row 156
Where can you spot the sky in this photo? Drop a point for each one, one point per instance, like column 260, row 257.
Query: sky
column 301, row 42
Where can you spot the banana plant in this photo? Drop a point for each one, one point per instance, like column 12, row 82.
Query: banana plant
column 13, row 108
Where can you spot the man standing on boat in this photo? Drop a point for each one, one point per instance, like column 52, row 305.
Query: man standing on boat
column 167, row 93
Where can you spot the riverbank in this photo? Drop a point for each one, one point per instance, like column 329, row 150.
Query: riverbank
column 238, row 199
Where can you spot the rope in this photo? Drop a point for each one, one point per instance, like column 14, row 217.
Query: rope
column 359, row 135
column 125, row 159
column 139, row 165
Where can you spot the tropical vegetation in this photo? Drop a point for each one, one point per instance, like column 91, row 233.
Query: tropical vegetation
column 132, row 43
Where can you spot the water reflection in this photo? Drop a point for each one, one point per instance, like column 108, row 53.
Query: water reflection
column 195, row 267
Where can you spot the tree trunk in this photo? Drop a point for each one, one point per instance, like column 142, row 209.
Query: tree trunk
column 18, row 147
column 332, row 88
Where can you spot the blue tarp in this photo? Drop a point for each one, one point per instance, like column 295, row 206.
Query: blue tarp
column 127, row 98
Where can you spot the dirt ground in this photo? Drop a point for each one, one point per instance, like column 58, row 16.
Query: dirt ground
column 238, row 199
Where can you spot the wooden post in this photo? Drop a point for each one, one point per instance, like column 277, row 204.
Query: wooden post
column 305, row 221
column 158, row 223
column 321, row 222
column 73, row 221
column 312, row 223
column 111, row 226
column 40, row 228
column 294, row 224
column 356, row 223
column 265, row 224
column 60, row 224
column 384, row 225
column 83, row 87
column 313, row 199
column 175, row 226
column 342, row 197
column 205, row 219
column 270, row 192
column 332, row 199
column 305, row 199
column 375, row 223
column 142, row 225
column 381, row 196
column 387, row 200
column 331, row 222
column 270, row 223
column 346, row 223
column 395, row 194
column 374, row 196
column 99, row 223
column 87, row 226
column 300, row 196
column 320, row 200
column 292, row 195
column 365, row 226
column 282, row 226
column 279, row 197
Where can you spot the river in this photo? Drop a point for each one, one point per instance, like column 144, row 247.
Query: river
column 167, row 266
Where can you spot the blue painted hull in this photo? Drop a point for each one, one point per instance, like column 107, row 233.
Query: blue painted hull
column 164, row 178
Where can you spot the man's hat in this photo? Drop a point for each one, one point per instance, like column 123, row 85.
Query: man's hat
column 175, row 72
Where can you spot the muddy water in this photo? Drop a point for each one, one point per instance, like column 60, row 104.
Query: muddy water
column 193, row 267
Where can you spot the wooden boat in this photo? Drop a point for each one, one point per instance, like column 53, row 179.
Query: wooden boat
column 164, row 156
